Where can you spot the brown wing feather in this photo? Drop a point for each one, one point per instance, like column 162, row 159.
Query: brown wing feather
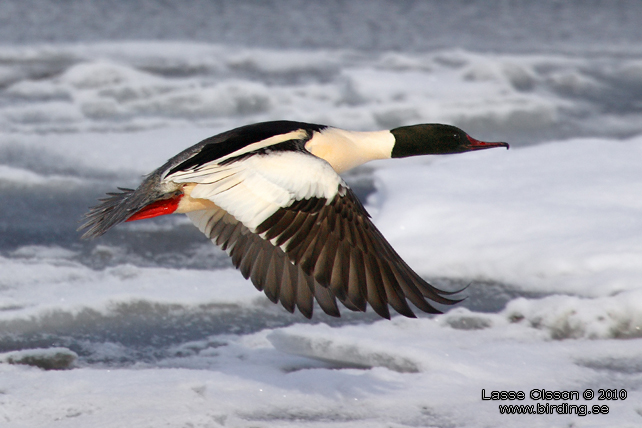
column 324, row 251
column 337, row 244
column 267, row 266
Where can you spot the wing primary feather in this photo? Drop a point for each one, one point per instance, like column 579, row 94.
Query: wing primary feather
column 288, row 293
column 374, row 285
column 426, row 289
column 450, row 293
column 319, row 239
column 412, row 293
column 304, row 294
column 395, row 296
column 325, row 262
column 239, row 249
column 348, row 232
column 356, row 292
column 247, row 260
column 340, row 273
column 259, row 268
column 272, row 278
column 359, row 239
column 339, row 224
column 326, row 300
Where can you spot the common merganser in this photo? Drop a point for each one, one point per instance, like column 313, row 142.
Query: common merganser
column 270, row 195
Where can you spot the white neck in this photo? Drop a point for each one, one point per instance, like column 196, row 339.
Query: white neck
column 344, row 150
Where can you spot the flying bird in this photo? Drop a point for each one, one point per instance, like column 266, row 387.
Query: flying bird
column 270, row 195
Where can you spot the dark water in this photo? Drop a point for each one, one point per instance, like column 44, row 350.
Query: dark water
column 407, row 25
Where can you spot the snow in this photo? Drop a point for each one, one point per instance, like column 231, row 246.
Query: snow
column 38, row 286
column 246, row 382
column 165, row 333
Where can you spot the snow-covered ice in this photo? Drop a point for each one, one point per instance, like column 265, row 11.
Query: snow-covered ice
column 161, row 331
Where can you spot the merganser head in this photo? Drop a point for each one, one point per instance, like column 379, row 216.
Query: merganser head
column 435, row 139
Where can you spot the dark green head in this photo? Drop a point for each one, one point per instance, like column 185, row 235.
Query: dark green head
column 435, row 139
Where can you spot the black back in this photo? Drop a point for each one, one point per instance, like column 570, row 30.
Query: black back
column 230, row 141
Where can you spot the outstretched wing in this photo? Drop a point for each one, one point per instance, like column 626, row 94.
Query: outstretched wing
column 267, row 266
column 294, row 228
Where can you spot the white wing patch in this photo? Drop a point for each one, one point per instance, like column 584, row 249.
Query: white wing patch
column 254, row 188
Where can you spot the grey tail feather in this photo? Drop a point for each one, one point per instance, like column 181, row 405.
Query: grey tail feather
column 111, row 211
